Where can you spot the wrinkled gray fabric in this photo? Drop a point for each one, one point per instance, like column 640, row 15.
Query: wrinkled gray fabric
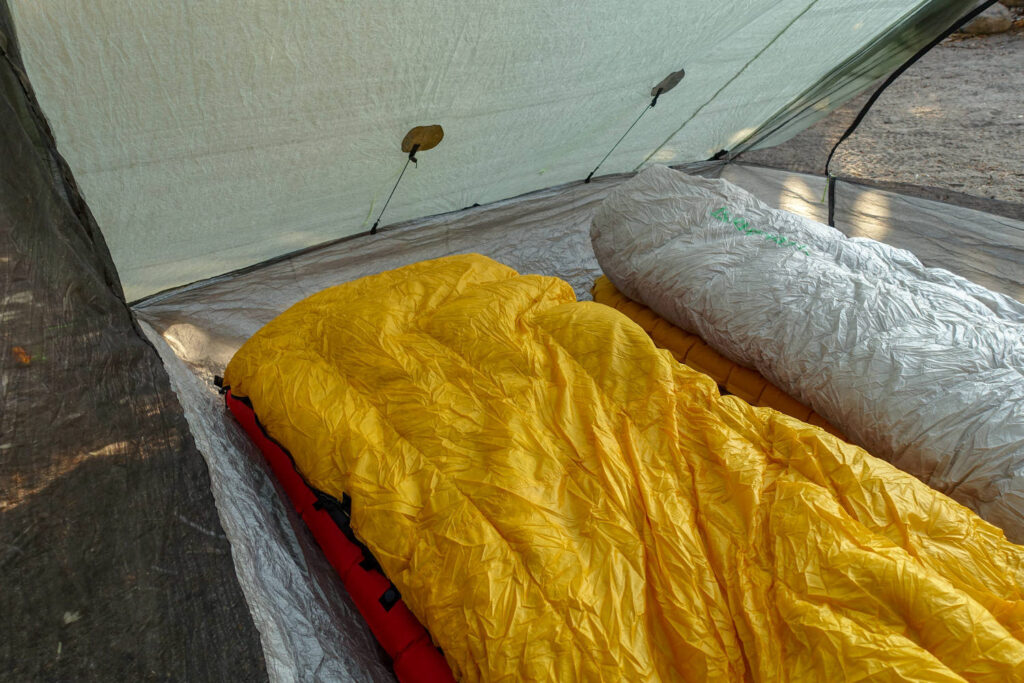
column 916, row 364
column 309, row 627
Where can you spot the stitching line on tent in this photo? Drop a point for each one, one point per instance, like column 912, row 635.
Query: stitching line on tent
column 728, row 83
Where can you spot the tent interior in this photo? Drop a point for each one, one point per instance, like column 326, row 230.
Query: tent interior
column 215, row 165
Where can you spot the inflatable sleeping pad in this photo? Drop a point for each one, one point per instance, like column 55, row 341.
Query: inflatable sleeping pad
column 917, row 365
column 691, row 350
column 557, row 499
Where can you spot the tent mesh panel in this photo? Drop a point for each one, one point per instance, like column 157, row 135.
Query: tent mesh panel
column 112, row 558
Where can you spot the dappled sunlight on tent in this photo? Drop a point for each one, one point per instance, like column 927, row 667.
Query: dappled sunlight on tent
column 185, row 338
column 796, row 196
column 795, row 192
column 872, row 214
column 740, row 135
column 825, row 104
column 18, row 490
column 664, row 155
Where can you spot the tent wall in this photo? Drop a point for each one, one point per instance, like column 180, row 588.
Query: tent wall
column 983, row 247
column 948, row 129
column 547, row 232
column 113, row 564
column 211, row 136
column 877, row 58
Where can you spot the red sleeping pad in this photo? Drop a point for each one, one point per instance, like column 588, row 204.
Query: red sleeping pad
column 415, row 658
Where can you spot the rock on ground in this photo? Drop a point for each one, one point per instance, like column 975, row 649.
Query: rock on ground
column 995, row 19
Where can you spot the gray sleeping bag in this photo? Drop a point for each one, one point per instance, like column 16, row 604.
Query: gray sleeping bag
column 917, row 365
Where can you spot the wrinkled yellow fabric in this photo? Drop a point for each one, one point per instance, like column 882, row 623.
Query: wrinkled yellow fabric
column 557, row 499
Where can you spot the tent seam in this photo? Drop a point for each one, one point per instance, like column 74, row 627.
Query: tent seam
column 728, row 83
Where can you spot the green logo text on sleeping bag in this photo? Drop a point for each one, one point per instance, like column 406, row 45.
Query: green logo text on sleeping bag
column 743, row 225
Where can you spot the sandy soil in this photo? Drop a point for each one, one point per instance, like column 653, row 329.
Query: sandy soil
column 955, row 121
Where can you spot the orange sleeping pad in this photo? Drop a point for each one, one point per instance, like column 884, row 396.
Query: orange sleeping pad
column 691, row 350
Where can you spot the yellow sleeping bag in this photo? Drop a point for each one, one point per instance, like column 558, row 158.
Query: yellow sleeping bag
column 557, row 499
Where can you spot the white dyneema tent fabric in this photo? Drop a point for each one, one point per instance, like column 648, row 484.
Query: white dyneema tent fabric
column 207, row 137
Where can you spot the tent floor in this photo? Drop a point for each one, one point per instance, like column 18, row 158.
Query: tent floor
column 198, row 328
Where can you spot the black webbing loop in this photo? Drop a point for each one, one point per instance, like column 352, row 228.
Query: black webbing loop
column 389, row 598
column 412, row 158
column 654, row 101
column 830, row 190
column 830, row 180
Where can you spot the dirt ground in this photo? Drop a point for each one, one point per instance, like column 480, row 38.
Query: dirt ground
column 955, row 120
